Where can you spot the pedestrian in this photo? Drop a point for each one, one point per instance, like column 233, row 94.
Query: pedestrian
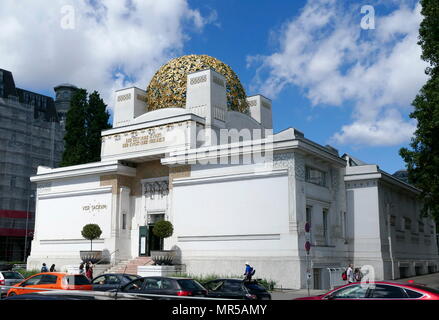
column 350, row 273
column 44, row 268
column 52, row 268
column 89, row 270
column 249, row 272
column 357, row 274
column 81, row 268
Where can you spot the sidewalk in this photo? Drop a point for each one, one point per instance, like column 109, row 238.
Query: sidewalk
column 279, row 294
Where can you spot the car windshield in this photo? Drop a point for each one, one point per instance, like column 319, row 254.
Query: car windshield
column 77, row 280
column 254, row 287
column 12, row 275
column 188, row 284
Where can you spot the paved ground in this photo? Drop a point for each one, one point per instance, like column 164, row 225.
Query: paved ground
column 430, row 280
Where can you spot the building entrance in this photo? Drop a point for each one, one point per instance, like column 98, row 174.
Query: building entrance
column 148, row 241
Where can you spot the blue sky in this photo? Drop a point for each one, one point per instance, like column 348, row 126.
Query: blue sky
column 333, row 80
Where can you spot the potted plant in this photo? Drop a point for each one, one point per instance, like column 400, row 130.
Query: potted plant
column 91, row 232
column 163, row 229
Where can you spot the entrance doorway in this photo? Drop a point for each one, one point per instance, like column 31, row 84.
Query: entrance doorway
column 148, row 241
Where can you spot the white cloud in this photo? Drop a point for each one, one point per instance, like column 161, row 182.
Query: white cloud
column 379, row 72
column 114, row 43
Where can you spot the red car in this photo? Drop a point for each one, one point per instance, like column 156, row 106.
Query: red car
column 380, row 290
column 51, row 280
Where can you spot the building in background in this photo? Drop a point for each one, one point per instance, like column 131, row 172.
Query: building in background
column 31, row 134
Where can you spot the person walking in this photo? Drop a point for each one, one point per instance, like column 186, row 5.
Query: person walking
column 350, row 273
column 357, row 274
column 44, row 268
column 249, row 272
column 52, row 268
column 81, row 268
column 89, row 270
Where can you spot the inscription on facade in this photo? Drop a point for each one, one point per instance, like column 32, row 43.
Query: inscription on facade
column 144, row 139
column 94, row 208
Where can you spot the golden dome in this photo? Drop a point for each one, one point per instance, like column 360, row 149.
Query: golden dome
column 168, row 86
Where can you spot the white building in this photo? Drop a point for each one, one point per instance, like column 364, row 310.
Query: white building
column 234, row 192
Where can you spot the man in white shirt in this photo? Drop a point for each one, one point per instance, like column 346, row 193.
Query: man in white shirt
column 350, row 273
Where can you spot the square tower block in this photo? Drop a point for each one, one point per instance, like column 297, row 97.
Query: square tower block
column 260, row 110
column 130, row 103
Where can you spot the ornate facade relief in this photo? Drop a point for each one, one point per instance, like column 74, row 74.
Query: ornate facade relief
column 155, row 189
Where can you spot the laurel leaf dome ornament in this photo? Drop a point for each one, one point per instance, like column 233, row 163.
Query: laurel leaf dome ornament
column 168, row 85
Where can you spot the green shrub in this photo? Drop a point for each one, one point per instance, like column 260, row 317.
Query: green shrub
column 163, row 229
column 27, row 273
column 267, row 284
column 91, row 232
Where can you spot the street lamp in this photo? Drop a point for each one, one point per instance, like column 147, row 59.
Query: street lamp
column 27, row 220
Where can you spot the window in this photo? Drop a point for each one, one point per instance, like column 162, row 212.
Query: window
column 136, row 285
column 48, row 279
column 407, row 224
column 392, row 221
column 13, row 182
column 112, row 280
column 11, row 275
column 309, row 220
column 189, row 284
column 345, row 225
column 33, row 281
column 99, row 280
column 325, row 225
column 388, row 292
column 232, row 286
column 315, row 176
column 413, row 294
column 420, row 226
column 124, row 221
column 76, row 280
column 351, row 292
column 214, row 285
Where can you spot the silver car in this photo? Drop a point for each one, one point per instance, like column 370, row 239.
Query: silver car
column 9, row 278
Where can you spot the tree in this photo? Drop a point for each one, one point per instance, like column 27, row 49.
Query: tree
column 91, row 232
column 422, row 161
column 85, row 120
column 163, row 229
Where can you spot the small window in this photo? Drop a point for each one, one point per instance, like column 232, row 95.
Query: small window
column 76, row 280
column 233, row 286
column 325, row 225
column 421, row 226
column 413, row 294
column 33, row 281
column 392, row 221
column 124, row 221
column 407, row 224
column 315, row 176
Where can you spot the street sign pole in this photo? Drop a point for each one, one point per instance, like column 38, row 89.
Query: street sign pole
column 307, row 249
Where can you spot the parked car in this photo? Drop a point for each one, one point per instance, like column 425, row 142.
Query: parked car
column 165, row 286
column 236, row 289
column 110, row 281
column 51, row 280
column 380, row 290
column 9, row 278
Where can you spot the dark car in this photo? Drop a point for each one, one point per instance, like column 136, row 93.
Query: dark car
column 165, row 286
column 236, row 289
column 111, row 281
column 379, row 290
column 9, row 278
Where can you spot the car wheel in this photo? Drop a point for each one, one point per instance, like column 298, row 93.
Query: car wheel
column 12, row 294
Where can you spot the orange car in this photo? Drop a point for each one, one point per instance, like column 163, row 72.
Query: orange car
column 51, row 280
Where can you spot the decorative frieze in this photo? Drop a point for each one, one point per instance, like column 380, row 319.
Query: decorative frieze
column 197, row 80
column 156, row 188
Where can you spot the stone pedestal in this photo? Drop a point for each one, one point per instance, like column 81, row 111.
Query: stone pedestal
column 158, row 271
